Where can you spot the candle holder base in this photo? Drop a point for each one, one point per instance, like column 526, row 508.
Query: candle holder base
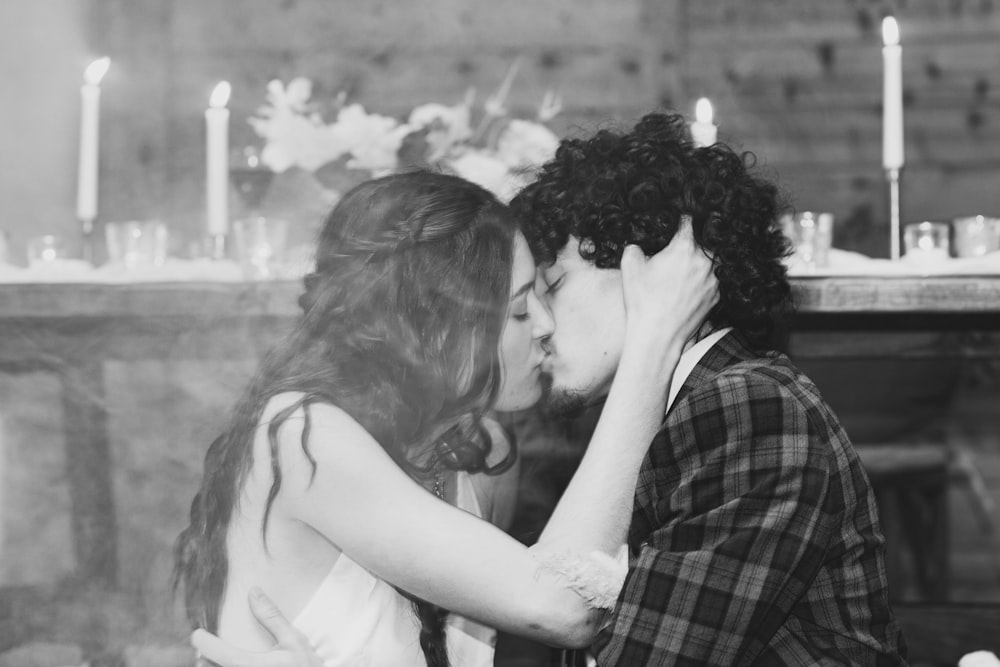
column 87, row 239
column 892, row 176
column 217, row 246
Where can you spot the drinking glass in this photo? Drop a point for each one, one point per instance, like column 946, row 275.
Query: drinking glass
column 926, row 241
column 250, row 177
column 134, row 243
column 46, row 249
column 811, row 233
column 260, row 246
column 976, row 235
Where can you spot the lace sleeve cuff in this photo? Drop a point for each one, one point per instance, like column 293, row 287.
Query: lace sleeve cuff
column 597, row 577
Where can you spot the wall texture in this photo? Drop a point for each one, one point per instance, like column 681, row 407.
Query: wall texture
column 798, row 83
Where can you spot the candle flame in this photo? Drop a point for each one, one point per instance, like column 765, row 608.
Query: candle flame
column 220, row 95
column 96, row 70
column 703, row 111
column 890, row 31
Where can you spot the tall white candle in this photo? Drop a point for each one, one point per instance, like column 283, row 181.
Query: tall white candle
column 217, row 160
column 892, row 95
column 703, row 131
column 90, row 111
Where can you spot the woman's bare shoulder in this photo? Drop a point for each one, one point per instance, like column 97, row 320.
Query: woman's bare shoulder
column 330, row 426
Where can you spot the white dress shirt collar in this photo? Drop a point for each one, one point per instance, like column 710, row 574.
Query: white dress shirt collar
column 689, row 359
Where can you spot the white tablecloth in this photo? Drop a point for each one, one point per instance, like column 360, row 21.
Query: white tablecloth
column 841, row 263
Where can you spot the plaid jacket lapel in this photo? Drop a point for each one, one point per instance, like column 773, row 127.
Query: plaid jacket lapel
column 730, row 349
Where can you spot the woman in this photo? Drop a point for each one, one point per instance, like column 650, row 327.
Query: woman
column 420, row 318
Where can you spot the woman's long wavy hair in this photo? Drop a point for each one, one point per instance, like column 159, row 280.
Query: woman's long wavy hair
column 619, row 188
column 400, row 328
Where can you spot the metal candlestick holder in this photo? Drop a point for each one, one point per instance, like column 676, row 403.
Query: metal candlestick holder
column 87, row 245
column 217, row 249
column 892, row 175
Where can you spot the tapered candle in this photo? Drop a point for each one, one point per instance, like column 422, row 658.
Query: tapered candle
column 703, row 131
column 892, row 96
column 217, row 160
column 90, row 111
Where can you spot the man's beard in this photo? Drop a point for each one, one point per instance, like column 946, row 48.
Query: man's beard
column 561, row 402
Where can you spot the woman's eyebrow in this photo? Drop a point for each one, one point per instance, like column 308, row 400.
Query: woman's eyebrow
column 524, row 289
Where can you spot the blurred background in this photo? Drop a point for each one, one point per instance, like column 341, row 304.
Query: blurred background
column 797, row 82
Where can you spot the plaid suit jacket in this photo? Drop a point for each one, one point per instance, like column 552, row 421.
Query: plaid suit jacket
column 755, row 538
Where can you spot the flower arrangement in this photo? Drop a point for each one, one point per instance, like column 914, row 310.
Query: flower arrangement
column 485, row 146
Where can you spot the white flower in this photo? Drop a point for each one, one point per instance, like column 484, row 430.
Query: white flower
column 295, row 96
column 373, row 140
column 293, row 137
column 499, row 154
column 485, row 169
column 449, row 126
column 524, row 144
column 297, row 141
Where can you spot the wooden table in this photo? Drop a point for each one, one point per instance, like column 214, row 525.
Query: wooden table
column 882, row 317
column 72, row 329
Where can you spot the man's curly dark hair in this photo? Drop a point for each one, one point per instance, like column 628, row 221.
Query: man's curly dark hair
column 615, row 189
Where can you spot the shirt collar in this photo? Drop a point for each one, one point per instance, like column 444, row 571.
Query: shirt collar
column 689, row 359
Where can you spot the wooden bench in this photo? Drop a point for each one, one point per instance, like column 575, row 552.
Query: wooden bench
column 911, row 488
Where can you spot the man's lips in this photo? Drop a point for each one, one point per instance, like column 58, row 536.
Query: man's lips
column 546, row 363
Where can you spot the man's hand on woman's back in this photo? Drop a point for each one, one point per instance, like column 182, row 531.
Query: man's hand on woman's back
column 291, row 648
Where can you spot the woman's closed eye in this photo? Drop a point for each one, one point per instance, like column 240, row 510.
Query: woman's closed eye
column 521, row 317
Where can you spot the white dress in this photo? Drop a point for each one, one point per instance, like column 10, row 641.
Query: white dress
column 355, row 619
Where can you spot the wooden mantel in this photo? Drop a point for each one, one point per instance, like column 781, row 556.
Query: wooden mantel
column 820, row 295
column 884, row 294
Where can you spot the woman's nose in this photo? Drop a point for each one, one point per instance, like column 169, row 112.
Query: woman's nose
column 544, row 323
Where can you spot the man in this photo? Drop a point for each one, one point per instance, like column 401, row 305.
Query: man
column 754, row 537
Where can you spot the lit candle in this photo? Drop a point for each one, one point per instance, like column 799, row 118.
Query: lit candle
column 892, row 95
column 217, row 160
column 703, row 131
column 90, row 111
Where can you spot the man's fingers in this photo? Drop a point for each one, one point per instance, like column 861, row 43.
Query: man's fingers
column 632, row 254
column 268, row 615
column 218, row 651
column 685, row 229
column 632, row 259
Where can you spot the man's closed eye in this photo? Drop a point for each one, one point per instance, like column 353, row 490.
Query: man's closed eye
column 553, row 287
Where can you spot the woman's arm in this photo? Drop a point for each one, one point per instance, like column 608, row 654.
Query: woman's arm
column 361, row 501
